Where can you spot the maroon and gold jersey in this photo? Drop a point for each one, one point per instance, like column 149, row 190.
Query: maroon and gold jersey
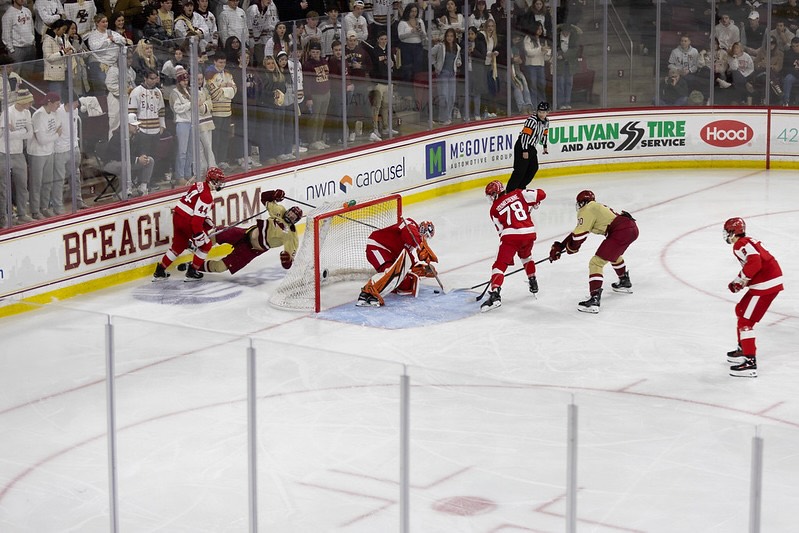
column 593, row 217
column 758, row 265
column 510, row 212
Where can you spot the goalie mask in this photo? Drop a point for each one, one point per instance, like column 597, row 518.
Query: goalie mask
column 215, row 177
column 292, row 215
column 426, row 229
column 734, row 227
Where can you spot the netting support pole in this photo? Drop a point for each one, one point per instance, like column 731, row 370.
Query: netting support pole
column 405, row 443
column 252, row 439
column 571, row 470
column 110, row 398
column 756, row 482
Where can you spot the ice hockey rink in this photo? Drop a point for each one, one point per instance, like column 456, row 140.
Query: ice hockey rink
column 665, row 435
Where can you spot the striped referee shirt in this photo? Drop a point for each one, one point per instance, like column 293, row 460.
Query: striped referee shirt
column 533, row 132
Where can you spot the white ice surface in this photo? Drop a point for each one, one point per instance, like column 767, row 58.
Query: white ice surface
column 665, row 434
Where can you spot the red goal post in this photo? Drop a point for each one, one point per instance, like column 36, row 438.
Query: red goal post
column 333, row 249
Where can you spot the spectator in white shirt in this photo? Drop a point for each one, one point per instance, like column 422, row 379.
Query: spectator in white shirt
column 20, row 129
column 41, row 147
column 66, row 145
column 18, row 36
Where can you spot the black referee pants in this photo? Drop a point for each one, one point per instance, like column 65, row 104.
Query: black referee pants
column 524, row 170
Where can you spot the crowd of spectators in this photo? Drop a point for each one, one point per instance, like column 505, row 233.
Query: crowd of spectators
column 321, row 61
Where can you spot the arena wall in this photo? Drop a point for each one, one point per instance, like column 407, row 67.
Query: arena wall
column 99, row 248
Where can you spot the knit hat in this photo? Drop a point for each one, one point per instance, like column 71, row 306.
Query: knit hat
column 181, row 73
column 24, row 96
column 315, row 45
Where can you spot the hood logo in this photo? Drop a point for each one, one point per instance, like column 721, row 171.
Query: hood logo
column 727, row 133
column 344, row 184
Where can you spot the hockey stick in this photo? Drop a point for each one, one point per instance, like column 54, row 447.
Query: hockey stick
column 488, row 283
column 239, row 222
column 342, row 216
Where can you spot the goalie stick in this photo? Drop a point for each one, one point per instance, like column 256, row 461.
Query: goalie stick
column 488, row 283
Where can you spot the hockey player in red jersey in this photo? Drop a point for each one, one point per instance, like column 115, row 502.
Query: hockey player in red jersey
column 511, row 213
column 619, row 229
column 761, row 274
column 391, row 251
column 188, row 223
column 273, row 232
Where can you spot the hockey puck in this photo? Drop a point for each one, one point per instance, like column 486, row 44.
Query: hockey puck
column 324, row 274
column 436, row 291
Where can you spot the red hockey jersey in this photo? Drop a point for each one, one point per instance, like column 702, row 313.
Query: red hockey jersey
column 758, row 265
column 196, row 203
column 385, row 245
column 510, row 212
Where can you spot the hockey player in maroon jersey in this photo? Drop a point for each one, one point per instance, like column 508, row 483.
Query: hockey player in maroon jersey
column 525, row 156
column 188, row 222
column 619, row 229
column 275, row 231
column 761, row 274
column 391, row 251
column 511, row 214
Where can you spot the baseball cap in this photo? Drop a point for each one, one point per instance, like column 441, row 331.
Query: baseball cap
column 351, row 33
column 133, row 120
column 754, row 15
column 358, row 3
column 51, row 97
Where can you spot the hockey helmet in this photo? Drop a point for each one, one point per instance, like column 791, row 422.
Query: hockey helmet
column 583, row 197
column 494, row 189
column 426, row 229
column 543, row 106
column 215, row 177
column 734, row 227
column 292, row 215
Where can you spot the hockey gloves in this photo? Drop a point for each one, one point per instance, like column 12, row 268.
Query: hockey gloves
column 272, row 196
column 285, row 260
column 426, row 254
column 199, row 240
column 556, row 251
column 737, row 284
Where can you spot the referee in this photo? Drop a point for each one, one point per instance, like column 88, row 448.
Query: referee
column 525, row 157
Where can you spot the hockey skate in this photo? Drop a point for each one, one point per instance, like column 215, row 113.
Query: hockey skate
column 160, row 273
column 533, row 284
column 747, row 369
column 192, row 274
column 369, row 296
column 591, row 305
column 494, row 301
column 623, row 285
column 736, row 356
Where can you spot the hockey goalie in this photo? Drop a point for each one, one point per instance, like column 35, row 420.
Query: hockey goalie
column 401, row 255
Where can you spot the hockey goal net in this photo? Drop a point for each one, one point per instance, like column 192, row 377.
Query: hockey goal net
column 334, row 249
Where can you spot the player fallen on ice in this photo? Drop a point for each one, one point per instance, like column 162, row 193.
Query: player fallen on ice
column 511, row 214
column 762, row 275
column 393, row 251
column 276, row 231
column 188, row 223
column 619, row 229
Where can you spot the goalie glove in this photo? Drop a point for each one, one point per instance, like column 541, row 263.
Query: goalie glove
column 737, row 284
column 424, row 270
column 199, row 240
column 556, row 251
column 426, row 254
column 286, row 260
column 272, row 196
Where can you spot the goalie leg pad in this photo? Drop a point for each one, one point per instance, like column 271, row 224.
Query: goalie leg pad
column 409, row 286
column 388, row 280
